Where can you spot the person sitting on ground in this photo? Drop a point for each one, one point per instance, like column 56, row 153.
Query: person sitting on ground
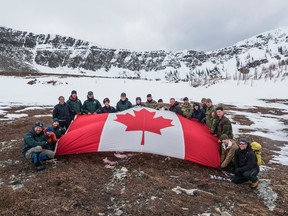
column 59, row 131
column 198, row 113
column 186, row 108
column 150, row 103
column 35, row 146
column 139, row 104
column 107, row 108
column 75, row 104
column 223, row 124
column 175, row 107
column 91, row 105
column 123, row 103
column 228, row 148
column 210, row 116
column 245, row 164
column 62, row 111
column 161, row 105
column 51, row 137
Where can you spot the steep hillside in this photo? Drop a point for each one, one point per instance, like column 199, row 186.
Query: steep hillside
column 257, row 57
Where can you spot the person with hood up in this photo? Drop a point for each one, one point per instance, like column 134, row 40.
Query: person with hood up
column 198, row 113
column 75, row 104
column 107, row 108
column 91, row 105
column 245, row 162
column 123, row 103
column 139, row 103
column 35, row 146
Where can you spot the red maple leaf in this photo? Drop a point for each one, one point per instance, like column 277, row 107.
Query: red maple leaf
column 143, row 121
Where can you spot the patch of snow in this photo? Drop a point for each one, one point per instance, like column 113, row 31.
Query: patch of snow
column 15, row 116
column 282, row 158
column 40, row 116
column 267, row 194
column 32, row 108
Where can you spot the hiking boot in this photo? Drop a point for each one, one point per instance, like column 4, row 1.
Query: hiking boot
column 254, row 184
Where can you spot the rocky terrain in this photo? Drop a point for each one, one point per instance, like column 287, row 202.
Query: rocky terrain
column 257, row 57
column 130, row 183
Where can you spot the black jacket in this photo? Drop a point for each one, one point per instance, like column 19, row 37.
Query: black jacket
column 105, row 109
column 62, row 112
column 123, row 105
column 176, row 108
column 245, row 160
column 198, row 114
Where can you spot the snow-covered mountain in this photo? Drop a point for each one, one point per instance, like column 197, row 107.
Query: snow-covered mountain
column 262, row 56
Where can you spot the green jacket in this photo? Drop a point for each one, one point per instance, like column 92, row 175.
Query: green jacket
column 223, row 126
column 151, row 104
column 31, row 139
column 91, row 106
column 76, row 105
column 211, row 119
column 123, row 105
column 187, row 110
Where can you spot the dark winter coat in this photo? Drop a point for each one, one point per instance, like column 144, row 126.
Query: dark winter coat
column 91, row 106
column 223, row 126
column 32, row 139
column 198, row 114
column 245, row 160
column 106, row 109
column 62, row 112
column 76, row 105
column 123, row 105
column 59, row 131
column 176, row 108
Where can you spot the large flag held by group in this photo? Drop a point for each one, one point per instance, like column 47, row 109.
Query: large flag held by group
column 142, row 130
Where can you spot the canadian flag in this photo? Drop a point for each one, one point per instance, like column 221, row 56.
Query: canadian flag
column 142, row 130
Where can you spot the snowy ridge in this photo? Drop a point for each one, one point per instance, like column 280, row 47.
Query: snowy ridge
column 259, row 57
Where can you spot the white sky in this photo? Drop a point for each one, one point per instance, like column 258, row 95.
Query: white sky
column 148, row 24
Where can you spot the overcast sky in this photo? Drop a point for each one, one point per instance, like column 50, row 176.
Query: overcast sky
column 172, row 25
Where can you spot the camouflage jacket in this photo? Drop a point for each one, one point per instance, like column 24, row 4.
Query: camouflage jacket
column 151, row 104
column 211, row 118
column 187, row 110
column 223, row 126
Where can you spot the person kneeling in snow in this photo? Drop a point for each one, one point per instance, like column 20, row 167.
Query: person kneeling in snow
column 228, row 148
column 246, row 167
column 35, row 146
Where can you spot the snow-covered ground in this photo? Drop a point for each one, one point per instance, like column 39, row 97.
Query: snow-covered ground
column 15, row 91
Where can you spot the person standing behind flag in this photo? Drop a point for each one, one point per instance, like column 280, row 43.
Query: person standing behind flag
column 161, row 105
column 210, row 116
column 91, row 105
column 75, row 104
column 223, row 124
column 150, row 103
column 198, row 113
column 62, row 111
column 186, row 108
column 123, row 103
column 139, row 103
column 175, row 107
column 106, row 108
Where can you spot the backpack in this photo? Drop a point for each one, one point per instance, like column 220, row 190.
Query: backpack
column 256, row 147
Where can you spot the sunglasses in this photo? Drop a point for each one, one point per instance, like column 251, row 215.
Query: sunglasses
column 242, row 144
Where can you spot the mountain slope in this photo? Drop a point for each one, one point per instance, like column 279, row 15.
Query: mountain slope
column 51, row 53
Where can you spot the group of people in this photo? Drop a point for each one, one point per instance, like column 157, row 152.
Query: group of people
column 39, row 143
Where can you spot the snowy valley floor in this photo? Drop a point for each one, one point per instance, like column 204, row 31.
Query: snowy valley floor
column 141, row 184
